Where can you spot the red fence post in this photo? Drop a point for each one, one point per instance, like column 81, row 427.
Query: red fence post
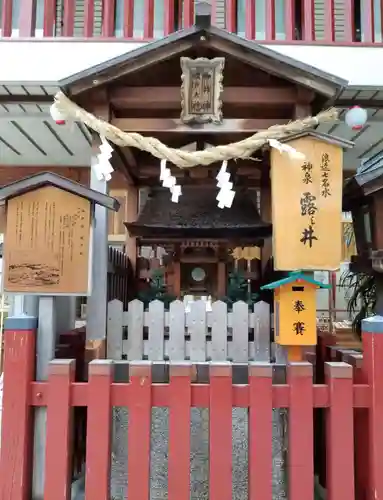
column 16, row 435
column 301, row 436
column 220, row 431
column 99, row 427
column 372, row 368
column 179, row 425
column 339, row 433
column 139, row 429
column 260, row 431
column 59, row 430
column 360, row 430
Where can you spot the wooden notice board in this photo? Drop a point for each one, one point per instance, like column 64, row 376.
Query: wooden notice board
column 46, row 247
column 307, row 206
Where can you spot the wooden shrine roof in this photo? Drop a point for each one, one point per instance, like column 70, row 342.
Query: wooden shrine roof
column 197, row 215
column 367, row 181
column 200, row 37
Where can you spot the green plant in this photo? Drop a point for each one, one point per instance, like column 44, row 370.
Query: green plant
column 361, row 297
column 348, row 234
column 157, row 289
column 238, row 289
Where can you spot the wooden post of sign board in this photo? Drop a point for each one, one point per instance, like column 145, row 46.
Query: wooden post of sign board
column 45, row 352
column 97, row 301
column 294, row 353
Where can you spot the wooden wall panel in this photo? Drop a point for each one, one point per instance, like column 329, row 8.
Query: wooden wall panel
column 12, row 174
column 116, row 219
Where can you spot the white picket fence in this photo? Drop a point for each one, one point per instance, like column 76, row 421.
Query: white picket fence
column 196, row 334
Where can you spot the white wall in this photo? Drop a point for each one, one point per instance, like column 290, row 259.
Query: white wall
column 30, row 61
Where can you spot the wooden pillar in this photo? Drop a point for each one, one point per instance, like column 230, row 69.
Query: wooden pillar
column 177, row 273
column 96, row 307
column 177, row 279
column 65, row 314
column 97, row 302
column 265, row 212
column 221, row 279
column 221, row 272
column 303, row 106
column 131, row 214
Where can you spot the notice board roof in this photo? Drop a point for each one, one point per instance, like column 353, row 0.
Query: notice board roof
column 50, row 179
column 320, row 136
column 294, row 276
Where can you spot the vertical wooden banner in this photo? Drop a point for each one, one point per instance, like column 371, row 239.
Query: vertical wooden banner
column 307, row 205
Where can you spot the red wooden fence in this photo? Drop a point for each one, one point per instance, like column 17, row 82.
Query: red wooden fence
column 351, row 397
column 98, row 19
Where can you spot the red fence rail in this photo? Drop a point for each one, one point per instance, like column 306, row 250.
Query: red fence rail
column 281, row 21
column 351, row 398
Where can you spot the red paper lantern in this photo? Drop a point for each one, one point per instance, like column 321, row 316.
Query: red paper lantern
column 57, row 115
column 356, row 117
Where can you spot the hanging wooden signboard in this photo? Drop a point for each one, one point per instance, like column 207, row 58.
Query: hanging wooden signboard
column 307, row 204
column 46, row 247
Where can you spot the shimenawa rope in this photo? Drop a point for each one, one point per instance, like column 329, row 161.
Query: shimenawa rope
column 179, row 157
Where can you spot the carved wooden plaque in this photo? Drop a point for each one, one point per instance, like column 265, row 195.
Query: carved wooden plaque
column 201, row 90
column 46, row 245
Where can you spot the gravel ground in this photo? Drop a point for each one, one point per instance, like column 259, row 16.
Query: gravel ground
column 198, row 455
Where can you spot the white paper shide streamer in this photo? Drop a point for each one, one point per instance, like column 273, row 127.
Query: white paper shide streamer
column 169, row 181
column 101, row 163
column 102, row 166
column 225, row 196
column 285, row 148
